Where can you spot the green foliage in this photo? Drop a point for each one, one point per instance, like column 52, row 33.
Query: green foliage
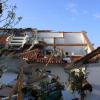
column 3, row 49
column 10, row 47
column 76, row 81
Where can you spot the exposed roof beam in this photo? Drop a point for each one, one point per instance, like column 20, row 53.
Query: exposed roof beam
column 70, row 44
column 83, row 60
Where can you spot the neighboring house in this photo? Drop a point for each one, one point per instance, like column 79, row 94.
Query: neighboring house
column 76, row 43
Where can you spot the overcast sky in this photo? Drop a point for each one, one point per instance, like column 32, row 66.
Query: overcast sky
column 61, row 15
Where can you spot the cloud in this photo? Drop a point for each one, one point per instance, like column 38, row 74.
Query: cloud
column 97, row 15
column 76, row 11
column 85, row 12
column 72, row 5
column 72, row 8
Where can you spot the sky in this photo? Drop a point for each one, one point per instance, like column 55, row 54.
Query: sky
column 61, row 15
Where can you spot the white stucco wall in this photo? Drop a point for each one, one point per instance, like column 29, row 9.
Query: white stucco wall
column 94, row 79
column 55, row 69
column 13, row 65
column 49, row 40
column 59, row 70
column 69, row 38
column 49, row 34
column 59, row 40
column 73, row 38
column 76, row 50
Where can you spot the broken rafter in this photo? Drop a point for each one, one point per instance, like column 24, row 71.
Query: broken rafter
column 70, row 44
column 79, row 63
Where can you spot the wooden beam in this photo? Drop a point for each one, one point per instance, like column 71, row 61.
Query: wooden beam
column 89, row 56
column 71, row 32
column 78, row 44
column 80, row 63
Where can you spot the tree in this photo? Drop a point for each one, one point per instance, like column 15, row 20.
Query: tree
column 77, row 80
column 8, row 18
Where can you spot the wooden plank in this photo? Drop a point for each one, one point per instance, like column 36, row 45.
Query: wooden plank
column 80, row 63
column 67, row 44
column 89, row 56
column 72, row 32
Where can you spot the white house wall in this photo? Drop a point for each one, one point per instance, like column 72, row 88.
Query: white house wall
column 73, row 38
column 49, row 34
column 65, row 38
column 94, row 79
column 68, row 37
column 60, row 40
column 76, row 50
column 49, row 40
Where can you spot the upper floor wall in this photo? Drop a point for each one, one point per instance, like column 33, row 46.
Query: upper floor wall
column 73, row 38
column 49, row 35
column 73, row 42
